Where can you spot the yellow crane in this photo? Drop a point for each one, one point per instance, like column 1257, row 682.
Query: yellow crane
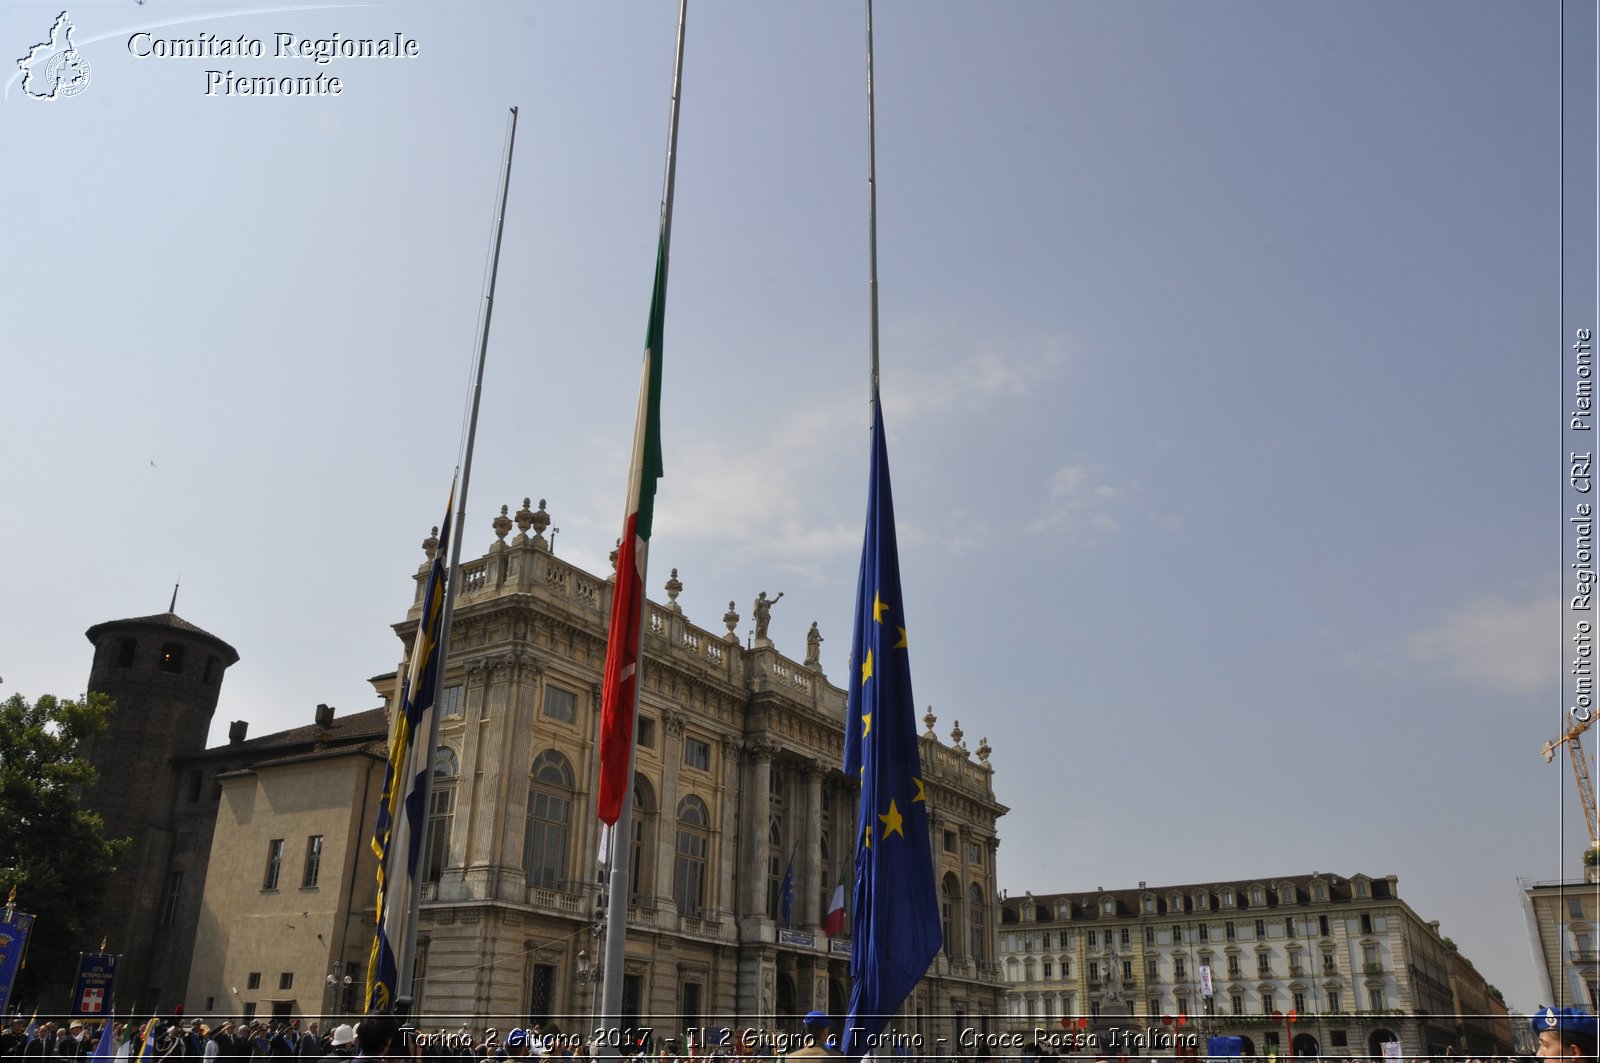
column 1580, row 771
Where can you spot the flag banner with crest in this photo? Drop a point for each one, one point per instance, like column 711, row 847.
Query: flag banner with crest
column 14, row 931
column 398, row 837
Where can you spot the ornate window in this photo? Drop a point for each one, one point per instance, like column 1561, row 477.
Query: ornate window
column 689, row 868
column 644, row 813
column 441, row 813
column 548, row 827
column 976, row 921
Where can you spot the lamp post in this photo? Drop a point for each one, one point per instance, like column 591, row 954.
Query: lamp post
column 337, row 978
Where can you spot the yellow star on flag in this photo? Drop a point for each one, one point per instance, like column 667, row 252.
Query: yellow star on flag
column 902, row 643
column 892, row 821
column 877, row 608
column 866, row 667
column 921, row 793
column 866, row 724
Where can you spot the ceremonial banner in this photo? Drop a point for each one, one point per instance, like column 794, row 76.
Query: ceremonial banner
column 13, row 944
column 619, row 692
column 97, row 977
column 897, row 930
column 397, row 839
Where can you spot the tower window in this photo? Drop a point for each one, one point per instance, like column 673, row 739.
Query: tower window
column 125, row 653
column 171, row 657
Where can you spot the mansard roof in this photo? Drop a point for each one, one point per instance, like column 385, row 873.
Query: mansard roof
column 1129, row 902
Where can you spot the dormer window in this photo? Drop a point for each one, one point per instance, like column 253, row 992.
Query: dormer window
column 1285, row 893
column 1109, row 906
column 1149, row 905
column 1320, row 891
column 1258, row 896
column 1227, row 898
column 1362, row 889
column 1202, row 902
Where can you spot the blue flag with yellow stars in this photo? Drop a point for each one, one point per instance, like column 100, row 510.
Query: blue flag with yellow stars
column 896, row 929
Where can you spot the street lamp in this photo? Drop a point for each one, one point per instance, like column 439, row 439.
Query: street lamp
column 334, row 982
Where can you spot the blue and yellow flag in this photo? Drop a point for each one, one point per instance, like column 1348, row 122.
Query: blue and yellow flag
column 398, row 838
column 896, row 933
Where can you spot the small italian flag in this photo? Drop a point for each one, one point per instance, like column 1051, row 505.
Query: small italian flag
column 833, row 923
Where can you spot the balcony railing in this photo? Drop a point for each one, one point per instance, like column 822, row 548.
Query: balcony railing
column 1584, row 956
column 1372, row 968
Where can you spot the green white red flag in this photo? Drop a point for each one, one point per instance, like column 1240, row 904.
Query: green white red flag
column 623, row 649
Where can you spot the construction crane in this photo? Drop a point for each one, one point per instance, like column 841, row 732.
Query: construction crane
column 1580, row 772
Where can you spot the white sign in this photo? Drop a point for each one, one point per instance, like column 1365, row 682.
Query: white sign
column 1205, row 980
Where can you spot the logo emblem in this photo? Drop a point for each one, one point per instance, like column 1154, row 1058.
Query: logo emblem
column 54, row 68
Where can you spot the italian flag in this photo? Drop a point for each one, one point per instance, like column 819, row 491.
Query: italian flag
column 833, row 922
column 623, row 650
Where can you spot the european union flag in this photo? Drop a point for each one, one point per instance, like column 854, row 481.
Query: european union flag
column 897, row 926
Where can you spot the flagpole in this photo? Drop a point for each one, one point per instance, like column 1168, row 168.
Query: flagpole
column 872, row 211
column 406, row 963
column 622, row 830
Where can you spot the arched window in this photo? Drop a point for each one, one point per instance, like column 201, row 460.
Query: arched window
column 950, row 905
column 776, row 868
column 441, row 813
column 549, row 824
column 976, row 922
column 689, row 868
column 644, row 814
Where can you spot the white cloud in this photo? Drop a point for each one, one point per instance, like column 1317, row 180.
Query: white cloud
column 1082, row 502
column 992, row 371
column 1505, row 645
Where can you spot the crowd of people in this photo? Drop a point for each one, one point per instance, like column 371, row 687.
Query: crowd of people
column 1565, row 1034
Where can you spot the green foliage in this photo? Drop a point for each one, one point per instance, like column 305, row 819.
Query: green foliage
column 1591, row 856
column 52, row 851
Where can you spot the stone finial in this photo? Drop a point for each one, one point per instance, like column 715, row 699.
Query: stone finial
column 929, row 719
column 731, row 618
column 502, row 524
column 955, row 739
column 430, row 545
column 983, row 751
column 674, row 588
column 615, row 550
column 541, row 520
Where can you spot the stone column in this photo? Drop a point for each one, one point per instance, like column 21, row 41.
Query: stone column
column 810, row 884
column 753, row 835
column 666, row 841
column 727, row 851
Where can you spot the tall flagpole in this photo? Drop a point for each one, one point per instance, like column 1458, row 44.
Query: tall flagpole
column 872, row 210
column 621, row 853
column 406, row 963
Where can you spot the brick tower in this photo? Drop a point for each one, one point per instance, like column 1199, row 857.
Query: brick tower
column 164, row 674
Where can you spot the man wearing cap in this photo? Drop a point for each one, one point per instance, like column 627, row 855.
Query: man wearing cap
column 821, row 1046
column 1564, row 1033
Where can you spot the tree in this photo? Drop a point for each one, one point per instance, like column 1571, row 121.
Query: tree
column 53, row 851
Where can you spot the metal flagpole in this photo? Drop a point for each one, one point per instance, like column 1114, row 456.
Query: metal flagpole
column 872, row 210
column 406, row 962
column 621, row 855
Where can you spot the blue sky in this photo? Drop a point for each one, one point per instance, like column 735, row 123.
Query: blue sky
column 1221, row 359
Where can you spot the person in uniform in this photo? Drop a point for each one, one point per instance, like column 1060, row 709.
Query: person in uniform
column 1564, row 1033
column 822, row 1046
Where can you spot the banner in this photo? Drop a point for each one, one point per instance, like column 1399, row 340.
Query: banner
column 13, row 944
column 97, row 978
column 1205, row 980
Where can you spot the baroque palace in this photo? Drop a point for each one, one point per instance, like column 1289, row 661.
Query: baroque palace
column 261, row 856
column 1357, row 967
